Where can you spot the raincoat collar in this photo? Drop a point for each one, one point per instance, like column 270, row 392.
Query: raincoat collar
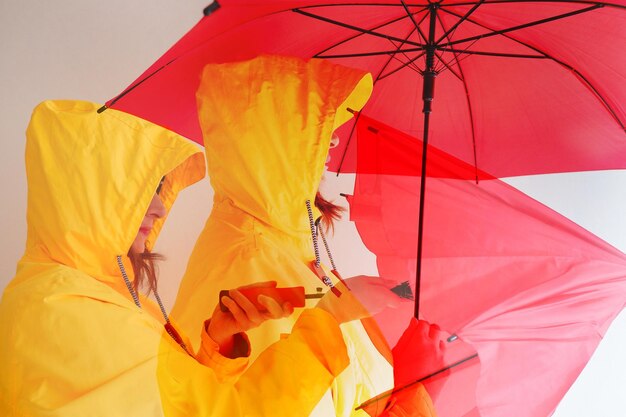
column 91, row 178
column 267, row 124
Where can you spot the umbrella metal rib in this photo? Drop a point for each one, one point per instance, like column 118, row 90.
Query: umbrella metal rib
column 409, row 385
column 352, row 27
column 458, row 23
column 421, row 49
column 350, row 38
column 132, row 87
column 519, row 27
column 461, row 77
column 378, row 77
column 569, row 67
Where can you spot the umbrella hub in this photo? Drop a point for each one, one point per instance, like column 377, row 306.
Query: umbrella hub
column 428, row 90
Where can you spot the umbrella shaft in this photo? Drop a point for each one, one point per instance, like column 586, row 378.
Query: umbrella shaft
column 428, row 93
column 420, row 224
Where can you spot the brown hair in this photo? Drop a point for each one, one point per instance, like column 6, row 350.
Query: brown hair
column 330, row 211
column 145, row 269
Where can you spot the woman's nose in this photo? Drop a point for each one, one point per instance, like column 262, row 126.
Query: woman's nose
column 334, row 140
column 156, row 209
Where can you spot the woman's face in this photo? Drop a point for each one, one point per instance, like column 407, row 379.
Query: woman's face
column 334, row 141
column 156, row 210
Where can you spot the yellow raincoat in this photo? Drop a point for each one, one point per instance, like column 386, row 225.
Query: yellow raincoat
column 72, row 341
column 267, row 125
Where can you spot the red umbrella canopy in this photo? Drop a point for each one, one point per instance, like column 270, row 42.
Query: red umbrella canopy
column 521, row 87
column 524, row 288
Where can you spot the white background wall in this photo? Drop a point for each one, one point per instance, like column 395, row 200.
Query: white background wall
column 92, row 49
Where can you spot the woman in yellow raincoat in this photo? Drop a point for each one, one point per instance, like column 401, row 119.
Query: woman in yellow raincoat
column 75, row 339
column 267, row 125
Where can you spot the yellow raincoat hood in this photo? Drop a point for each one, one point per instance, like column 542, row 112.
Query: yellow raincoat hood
column 267, row 125
column 91, row 178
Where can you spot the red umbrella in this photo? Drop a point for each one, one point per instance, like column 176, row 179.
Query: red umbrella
column 523, row 86
column 518, row 284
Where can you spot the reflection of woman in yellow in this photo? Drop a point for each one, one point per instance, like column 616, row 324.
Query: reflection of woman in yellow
column 267, row 125
column 77, row 339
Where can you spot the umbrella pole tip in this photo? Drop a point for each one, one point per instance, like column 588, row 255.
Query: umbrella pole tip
column 101, row 109
column 211, row 8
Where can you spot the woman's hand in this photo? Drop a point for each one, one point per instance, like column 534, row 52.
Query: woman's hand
column 242, row 315
column 419, row 352
column 365, row 297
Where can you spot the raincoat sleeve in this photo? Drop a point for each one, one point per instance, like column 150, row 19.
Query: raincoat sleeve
column 413, row 402
column 294, row 372
column 227, row 369
column 208, row 354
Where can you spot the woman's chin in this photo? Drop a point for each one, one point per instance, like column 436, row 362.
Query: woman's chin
column 138, row 246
